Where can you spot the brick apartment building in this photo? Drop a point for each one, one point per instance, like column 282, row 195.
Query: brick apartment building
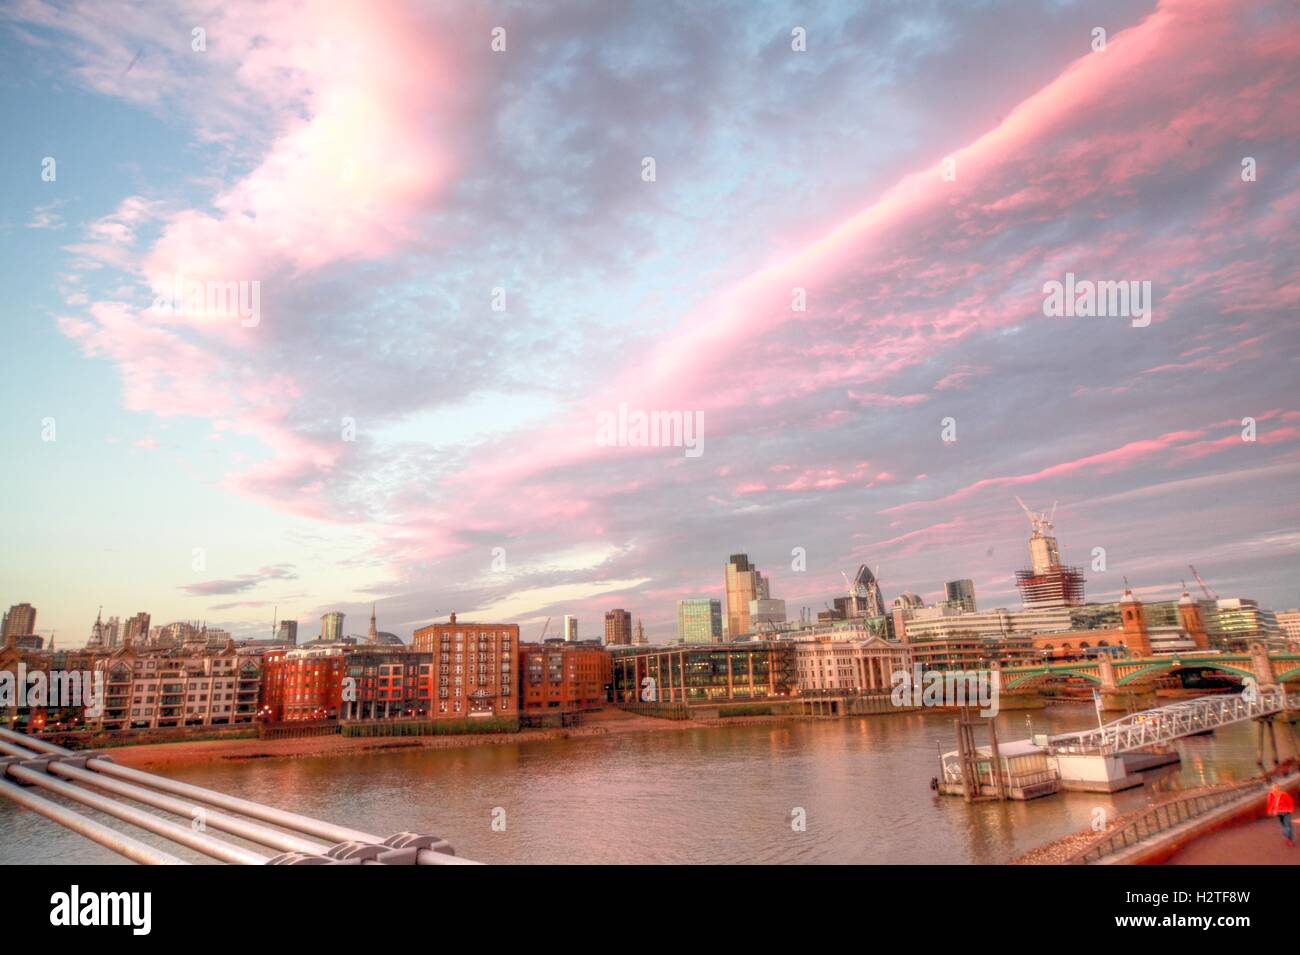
column 477, row 668
column 302, row 684
column 563, row 677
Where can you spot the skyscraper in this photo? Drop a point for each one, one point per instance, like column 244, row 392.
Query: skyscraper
column 867, row 599
column 136, row 633
column 331, row 625
column 570, row 628
column 1047, row 582
column 699, row 620
column 618, row 628
column 743, row 583
column 20, row 621
column 961, row 593
column 288, row 632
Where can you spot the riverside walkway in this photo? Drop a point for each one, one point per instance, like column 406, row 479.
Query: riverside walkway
column 1253, row 842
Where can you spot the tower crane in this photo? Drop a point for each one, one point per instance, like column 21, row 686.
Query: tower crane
column 1209, row 594
column 1036, row 520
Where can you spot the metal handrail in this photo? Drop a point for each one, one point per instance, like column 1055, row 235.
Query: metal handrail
column 1175, row 720
column 1161, row 818
column 76, row 776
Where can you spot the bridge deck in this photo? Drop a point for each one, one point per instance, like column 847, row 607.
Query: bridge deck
column 1175, row 720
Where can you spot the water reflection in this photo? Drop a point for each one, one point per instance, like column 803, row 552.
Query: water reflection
column 718, row 796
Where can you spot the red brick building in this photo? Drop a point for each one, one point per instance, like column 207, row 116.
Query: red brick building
column 304, row 684
column 388, row 682
column 475, row 667
column 560, row 677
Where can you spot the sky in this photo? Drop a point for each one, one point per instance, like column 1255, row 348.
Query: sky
column 824, row 231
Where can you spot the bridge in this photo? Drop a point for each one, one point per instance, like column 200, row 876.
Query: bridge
column 1167, row 723
column 1265, row 668
column 28, row 765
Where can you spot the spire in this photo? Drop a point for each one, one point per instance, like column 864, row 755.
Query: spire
column 97, row 632
column 374, row 632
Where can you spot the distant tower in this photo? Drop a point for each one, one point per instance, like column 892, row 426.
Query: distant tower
column 742, row 582
column 640, row 639
column 618, row 628
column 97, row 631
column 1134, row 623
column 1047, row 582
column 20, row 620
column 868, row 600
column 373, row 635
column 331, row 625
column 570, row 628
column 137, row 630
column 1189, row 617
column 961, row 593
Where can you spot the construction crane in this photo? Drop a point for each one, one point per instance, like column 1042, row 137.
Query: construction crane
column 1209, row 594
column 546, row 626
column 1038, row 520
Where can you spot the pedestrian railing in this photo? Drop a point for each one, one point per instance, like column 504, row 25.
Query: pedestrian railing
column 29, row 767
column 1162, row 818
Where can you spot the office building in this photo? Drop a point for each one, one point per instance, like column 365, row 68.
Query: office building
column 960, row 594
column 19, row 621
column 743, row 583
column 1288, row 622
column 618, row 628
column 1234, row 623
column 288, row 632
column 570, row 628
column 766, row 615
column 331, row 626
column 699, row 620
column 715, row 673
column 136, row 632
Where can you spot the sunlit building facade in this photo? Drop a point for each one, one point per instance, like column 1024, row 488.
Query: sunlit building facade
column 699, row 620
column 477, row 668
column 715, row 673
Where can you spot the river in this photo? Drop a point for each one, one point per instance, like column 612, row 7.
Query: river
column 721, row 795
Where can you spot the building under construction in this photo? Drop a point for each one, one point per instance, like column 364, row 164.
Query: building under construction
column 1047, row 582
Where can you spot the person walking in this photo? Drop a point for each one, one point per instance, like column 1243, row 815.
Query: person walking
column 1281, row 804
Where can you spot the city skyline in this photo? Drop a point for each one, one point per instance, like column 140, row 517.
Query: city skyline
column 384, row 434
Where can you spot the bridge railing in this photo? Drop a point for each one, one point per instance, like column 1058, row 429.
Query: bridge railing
column 1160, row 819
column 93, row 780
column 1165, row 723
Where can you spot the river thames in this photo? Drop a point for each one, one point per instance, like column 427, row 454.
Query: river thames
column 716, row 795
